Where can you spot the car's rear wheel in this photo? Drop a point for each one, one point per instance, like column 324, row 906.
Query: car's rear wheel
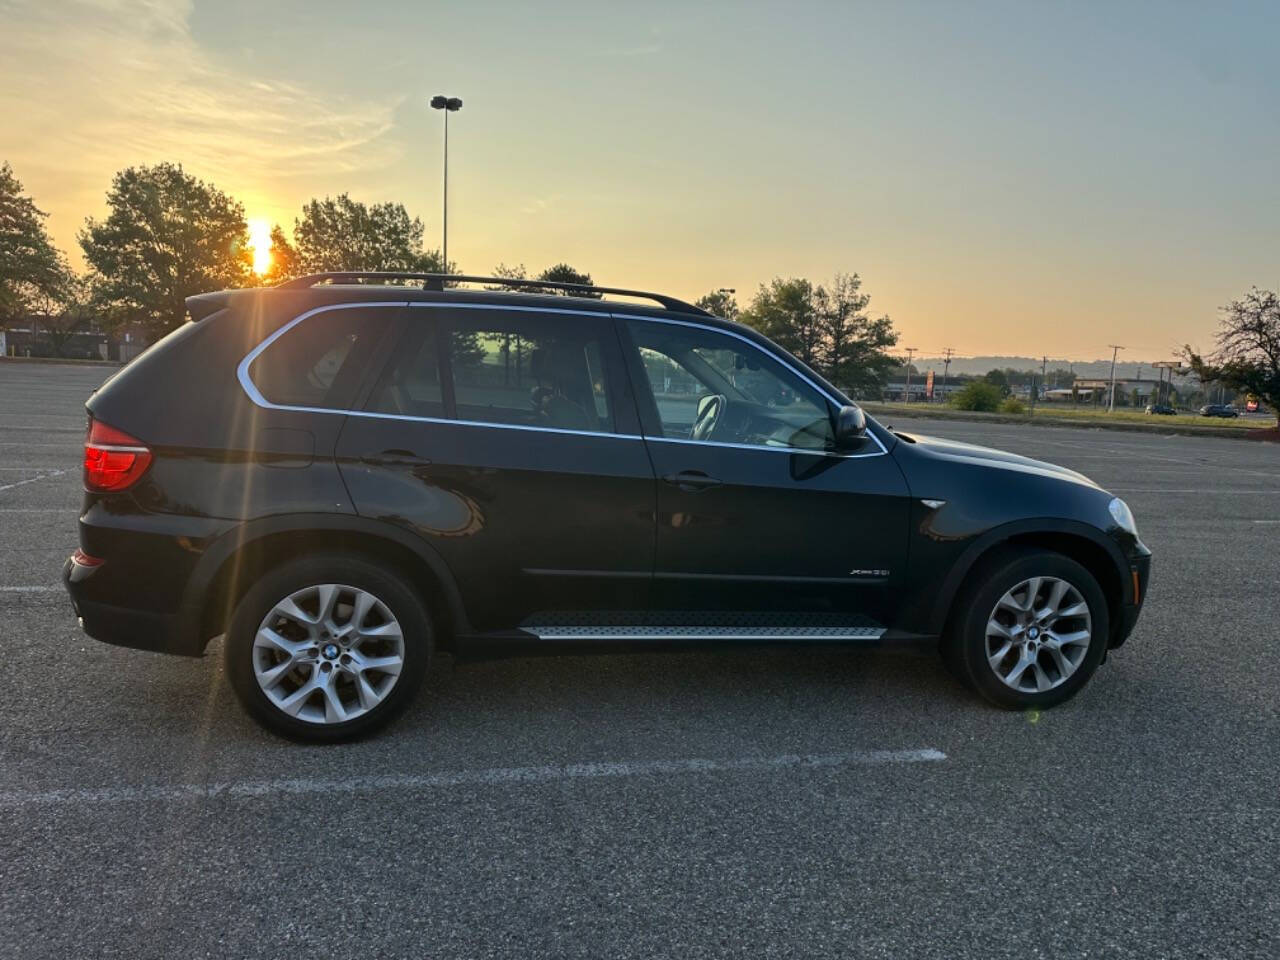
column 1031, row 631
column 328, row 648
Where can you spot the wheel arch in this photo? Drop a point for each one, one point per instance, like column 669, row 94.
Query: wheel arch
column 233, row 562
column 1082, row 543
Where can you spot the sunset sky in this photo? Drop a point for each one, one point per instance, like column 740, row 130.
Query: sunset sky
column 1008, row 178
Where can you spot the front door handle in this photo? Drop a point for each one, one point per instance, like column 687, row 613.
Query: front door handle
column 691, row 481
column 395, row 458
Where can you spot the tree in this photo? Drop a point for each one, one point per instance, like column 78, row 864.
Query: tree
column 784, row 311
column 65, row 311
column 854, row 347
column 978, row 395
column 563, row 273
column 1059, row 379
column 1247, row 358
column 560, row 273
column 168, row 236
column 285, row 262
column 338, row 233
column 721, row 303
column 828, row 328
column 998, row 379
column 30, row 266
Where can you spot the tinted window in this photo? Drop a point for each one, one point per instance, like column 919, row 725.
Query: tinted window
column 537, row 371
column 320, row 360
column 741, row 393
column 411, row 384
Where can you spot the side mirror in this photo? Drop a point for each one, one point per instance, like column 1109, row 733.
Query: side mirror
column 851, row 428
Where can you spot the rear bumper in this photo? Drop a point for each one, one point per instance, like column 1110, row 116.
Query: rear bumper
column 126, row 626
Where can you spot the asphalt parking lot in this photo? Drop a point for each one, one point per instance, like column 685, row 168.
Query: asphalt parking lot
column 766, row 803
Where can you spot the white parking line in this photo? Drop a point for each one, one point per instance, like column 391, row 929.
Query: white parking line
column 43, row 476
column 32, row 589
column 243, row 789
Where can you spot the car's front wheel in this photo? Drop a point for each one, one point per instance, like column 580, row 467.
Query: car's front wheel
column 1031, row 631
column 328, row 648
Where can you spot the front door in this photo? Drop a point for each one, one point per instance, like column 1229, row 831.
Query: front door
column 508, row 440
column 757, row 510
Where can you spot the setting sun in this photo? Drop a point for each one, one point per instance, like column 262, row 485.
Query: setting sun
column 260, row 242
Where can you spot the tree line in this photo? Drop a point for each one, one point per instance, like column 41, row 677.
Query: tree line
column 168, row 235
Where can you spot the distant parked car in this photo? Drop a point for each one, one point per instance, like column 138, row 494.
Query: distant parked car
column 1163, row 409
column 1219, row 410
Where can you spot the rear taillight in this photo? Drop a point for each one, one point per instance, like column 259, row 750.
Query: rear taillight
column 113, row 460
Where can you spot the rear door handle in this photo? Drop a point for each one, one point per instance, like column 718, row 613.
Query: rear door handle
column 395, row 458
column 691, row 481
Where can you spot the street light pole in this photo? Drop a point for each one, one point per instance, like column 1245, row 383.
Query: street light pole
column 1111, row 407
column 911, row 352
column 448, row 105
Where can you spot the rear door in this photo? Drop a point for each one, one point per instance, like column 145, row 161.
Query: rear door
column 756, row 509
column 509, row 440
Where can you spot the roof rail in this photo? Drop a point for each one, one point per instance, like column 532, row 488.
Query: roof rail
column 436, row 281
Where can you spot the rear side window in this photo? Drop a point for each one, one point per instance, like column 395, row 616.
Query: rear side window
column 530, row 370
column 321, row 360
column 411, row 385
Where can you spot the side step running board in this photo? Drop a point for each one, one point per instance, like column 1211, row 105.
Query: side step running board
column 552, row 631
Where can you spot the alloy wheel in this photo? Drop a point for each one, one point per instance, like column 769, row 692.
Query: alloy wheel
column 1038, row 635
column 328, row 653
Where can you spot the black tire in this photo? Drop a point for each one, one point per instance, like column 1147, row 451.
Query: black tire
column 965, row 646
column 399, row 597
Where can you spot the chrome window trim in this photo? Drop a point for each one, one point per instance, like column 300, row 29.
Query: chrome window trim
column 254, row 394
column 747, row 340
column 242, row 371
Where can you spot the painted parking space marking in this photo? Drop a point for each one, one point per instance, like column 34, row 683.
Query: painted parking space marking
column 494, row 776
column 42, row 476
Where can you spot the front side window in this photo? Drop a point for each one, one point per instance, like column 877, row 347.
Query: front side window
column 530, row 371
column 710, row 387
column 319, row 362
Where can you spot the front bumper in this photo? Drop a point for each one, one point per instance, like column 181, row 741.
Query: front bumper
column 1135, row 595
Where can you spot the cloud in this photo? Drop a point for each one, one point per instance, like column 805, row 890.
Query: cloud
column 90, row 86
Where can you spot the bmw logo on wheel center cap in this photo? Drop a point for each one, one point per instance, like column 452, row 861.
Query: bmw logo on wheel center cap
column 330, row 651
column 1033, row 633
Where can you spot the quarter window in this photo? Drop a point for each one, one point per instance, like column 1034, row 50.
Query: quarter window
column 710, row 387
column 319, row 361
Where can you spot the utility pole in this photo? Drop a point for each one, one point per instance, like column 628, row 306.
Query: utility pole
column 1044, row 361
column 946, row 367
column 911, row 351
column 1111, row 406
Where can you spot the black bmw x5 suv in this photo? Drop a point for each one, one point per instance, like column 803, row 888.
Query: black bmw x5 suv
column 348, row 472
